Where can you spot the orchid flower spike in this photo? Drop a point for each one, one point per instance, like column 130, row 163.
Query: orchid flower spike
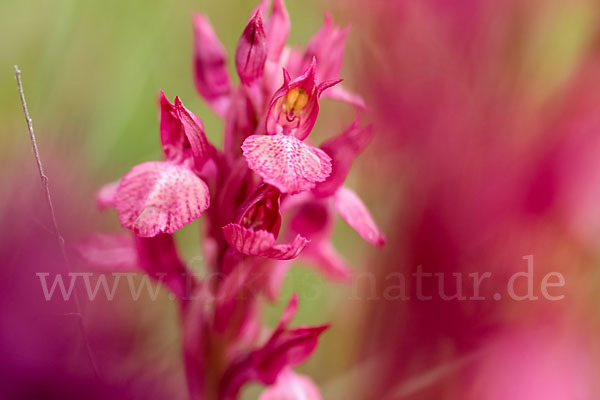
column 267, row 198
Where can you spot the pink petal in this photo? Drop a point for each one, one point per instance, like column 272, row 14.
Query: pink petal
column 112, row 252
column 288, row 314
column 274, row 112
column 160, row 197
column 105, row 198
column 261, row 243
column 285, row 162
column 210, row 69
column 277, row 28
column 251, row 52
column 193, row 128
column 327, row 85
column 291, row 386
column 327, row 46
column 354, row 212
column 172, row 137
column 287, row 251
column 343, row 149
column 286, row 347
column 182, row 133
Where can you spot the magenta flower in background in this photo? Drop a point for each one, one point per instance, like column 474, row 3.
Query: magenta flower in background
column 266, row 169
column 491, row 142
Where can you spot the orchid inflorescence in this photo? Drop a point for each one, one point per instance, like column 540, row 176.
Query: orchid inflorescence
column 266, row 169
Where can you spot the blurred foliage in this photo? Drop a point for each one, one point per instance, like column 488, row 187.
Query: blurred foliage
column 92, row 70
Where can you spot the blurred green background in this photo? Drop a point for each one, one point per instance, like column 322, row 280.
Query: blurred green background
column 92, row 70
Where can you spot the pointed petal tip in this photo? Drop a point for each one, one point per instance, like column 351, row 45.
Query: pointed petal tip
column 328, row 84
column 380, row 240
column 257, row 17
column 200, row 19
column 294, row 299
column 289, row 312
column 286, row 77
column 311, row 71
column 278, row 6
column 355, row 213
column 163, row 101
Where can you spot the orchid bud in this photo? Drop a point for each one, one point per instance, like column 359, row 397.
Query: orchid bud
column 251, row 52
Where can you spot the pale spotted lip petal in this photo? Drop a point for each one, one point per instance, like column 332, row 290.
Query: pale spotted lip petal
column 261, row 243
column 160, row 197
column 286, row 162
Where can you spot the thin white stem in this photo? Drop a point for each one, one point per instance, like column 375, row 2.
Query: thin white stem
column 61, row 240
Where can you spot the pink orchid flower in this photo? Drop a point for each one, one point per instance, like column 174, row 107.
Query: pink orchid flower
column 280, row 157
column 255, row 230
column 264, row 171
